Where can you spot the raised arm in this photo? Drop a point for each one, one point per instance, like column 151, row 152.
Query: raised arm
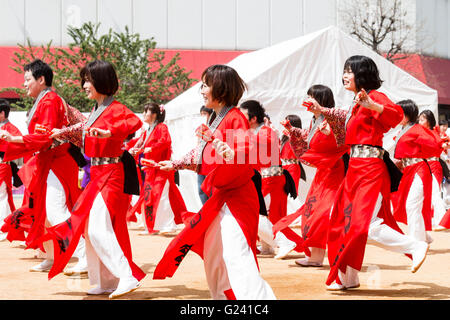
column 188, row 161
column 298, row 138
column 73, row 134
column 336, row 119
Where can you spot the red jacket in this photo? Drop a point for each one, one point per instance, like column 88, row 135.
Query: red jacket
column 367, row 126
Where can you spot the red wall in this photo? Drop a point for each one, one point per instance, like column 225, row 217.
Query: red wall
column 195, row 60
column 435, row 72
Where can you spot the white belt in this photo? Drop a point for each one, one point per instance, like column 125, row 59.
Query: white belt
column 271, row 171
column 103, row 160
column 365, row 151
column 285, row 162
column 410, row 161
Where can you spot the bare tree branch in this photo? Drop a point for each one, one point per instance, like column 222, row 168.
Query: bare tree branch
column 382, row 25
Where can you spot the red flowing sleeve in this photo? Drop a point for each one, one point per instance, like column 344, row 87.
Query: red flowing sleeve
column 51, row 112
column 392, row 113
column 336, row 119
column 161, row 139
column 123, row 123
column 298, row 140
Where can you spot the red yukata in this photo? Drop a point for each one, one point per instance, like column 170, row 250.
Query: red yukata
column 366, row 178
column 412, row 147
column 6, row 172
column 131, row 214
column 438, row 175
column 161, row 143
column 234, row 198
column 290, row 162
column 51, row 112
column 324, row 153
column 433, row 161
column 272, row 182
column 106, row 179
column 273, row 185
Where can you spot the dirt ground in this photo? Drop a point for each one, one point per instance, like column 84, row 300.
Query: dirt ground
column 385, row 275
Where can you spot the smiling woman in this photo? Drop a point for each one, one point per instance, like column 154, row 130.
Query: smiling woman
column 361, row 209
column 100, row 211
column 224, row 231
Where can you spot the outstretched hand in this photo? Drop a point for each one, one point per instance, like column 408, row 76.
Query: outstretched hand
column 287, row 124
column 363, row 99
column 99, row 133
column 166, row 165
column 5, row 135
column 223, row 149
column 55, row 133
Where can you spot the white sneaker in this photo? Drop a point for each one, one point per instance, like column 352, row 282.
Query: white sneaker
column 336, row 287
column 98, row 290
column 44, row 266
column 125, row 286
column 79, row 269
column 285, row 249
column 419, row 256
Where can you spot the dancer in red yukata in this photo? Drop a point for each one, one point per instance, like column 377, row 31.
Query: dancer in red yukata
column 412, row 201
column 362, row 210
column 100, row 212
column 224, row 231
column 441, row 216
column 288, row 159
column 322, row 148
column 50, row 175
column 276, row 183
column 290, row 162
column 7, row 169
column 161, row 200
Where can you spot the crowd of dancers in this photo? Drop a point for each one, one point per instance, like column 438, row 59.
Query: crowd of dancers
column 246, row 172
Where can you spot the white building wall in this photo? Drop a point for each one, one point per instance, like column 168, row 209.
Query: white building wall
column 201, row 24
column 433, row 17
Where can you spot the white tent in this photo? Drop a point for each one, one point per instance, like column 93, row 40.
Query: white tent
column 279, row 77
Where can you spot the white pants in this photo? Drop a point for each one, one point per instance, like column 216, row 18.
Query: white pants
column 265, row 234
column 105, row 258
column 57, row 212
column 383, row 236
column 164, row 218
column 437, row 202
column 229, row 262
column 317, row 254
column 446, row 193
column 5, row 210
column 414, row 205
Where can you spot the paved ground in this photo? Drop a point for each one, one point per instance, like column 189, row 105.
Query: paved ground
column 385, row 275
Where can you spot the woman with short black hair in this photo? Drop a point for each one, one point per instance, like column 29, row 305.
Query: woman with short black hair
column 100, row 212
column 319, row 147
column 224, row 231
column 361, row 209
column 412, row 201
column 427, row 120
